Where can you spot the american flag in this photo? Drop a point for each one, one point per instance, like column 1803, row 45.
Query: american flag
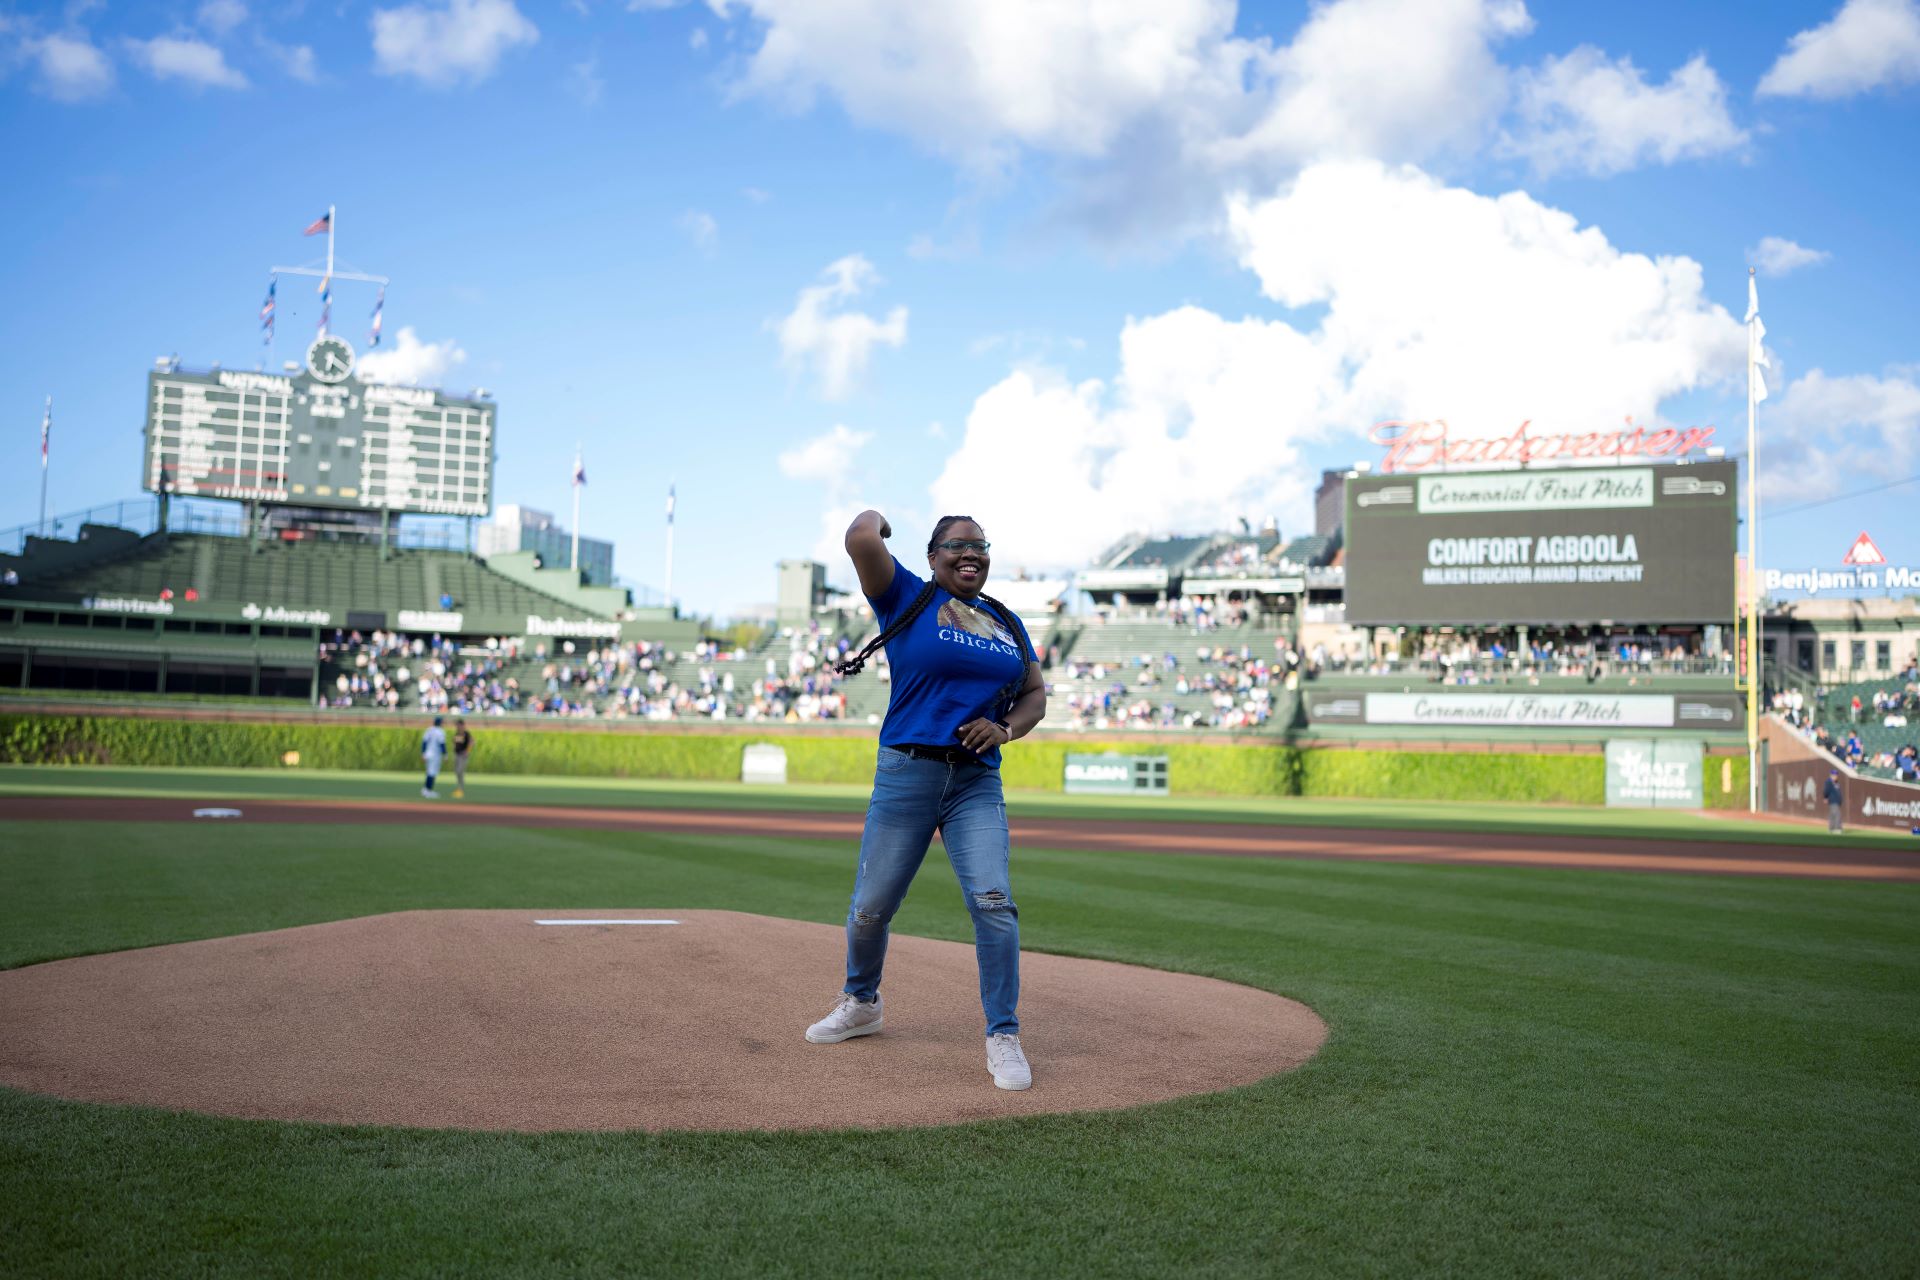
column 373, row 339
column 579, row 470
column 46, row 431
column 319, row 225
column 267, row 308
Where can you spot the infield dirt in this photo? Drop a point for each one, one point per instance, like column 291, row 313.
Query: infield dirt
column 489, row 1020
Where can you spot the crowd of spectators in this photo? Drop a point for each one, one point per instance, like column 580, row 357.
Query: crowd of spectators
column 1894, row 707
column 789, row 678
column 1220, row 687
column 1497, row 659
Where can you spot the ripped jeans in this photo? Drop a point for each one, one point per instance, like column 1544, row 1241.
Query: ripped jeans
column 912, row 797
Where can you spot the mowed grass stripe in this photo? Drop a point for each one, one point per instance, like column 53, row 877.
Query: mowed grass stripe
column 634, row 793
column 1529, row 1071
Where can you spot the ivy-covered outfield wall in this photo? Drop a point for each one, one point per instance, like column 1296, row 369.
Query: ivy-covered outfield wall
column 1197, row 767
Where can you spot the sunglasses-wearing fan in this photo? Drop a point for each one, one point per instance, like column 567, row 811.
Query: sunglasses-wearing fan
column 957, row 545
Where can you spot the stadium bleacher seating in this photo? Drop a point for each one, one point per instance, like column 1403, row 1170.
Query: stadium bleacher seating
column 299, row 575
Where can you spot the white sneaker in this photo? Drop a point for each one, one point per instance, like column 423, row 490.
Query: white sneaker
column 431, row 795
column 850, row 1018
column 1008, row 1063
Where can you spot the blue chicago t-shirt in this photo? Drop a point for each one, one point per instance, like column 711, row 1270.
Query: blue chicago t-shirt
column 947, row 666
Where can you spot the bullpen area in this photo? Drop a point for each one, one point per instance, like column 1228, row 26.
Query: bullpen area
column 1500, row 1038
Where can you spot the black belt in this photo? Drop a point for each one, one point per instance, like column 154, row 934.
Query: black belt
column 948, row 755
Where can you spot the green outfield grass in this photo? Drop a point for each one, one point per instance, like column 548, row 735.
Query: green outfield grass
column 1529, row 1072
column 1541, row 819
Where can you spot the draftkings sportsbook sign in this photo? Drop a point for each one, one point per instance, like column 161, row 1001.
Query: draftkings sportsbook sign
column 1604, row 544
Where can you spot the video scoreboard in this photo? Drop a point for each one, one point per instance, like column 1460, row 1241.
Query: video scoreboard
column 1650, row 544
column 318, row 438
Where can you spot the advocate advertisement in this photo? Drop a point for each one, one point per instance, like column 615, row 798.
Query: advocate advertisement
column 1615, row 544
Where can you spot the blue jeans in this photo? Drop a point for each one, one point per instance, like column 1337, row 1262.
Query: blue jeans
column 910, row 799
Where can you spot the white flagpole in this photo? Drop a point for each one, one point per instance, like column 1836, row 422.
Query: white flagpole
column 1753, row 550
column 46, row 444
column 669, row 546
column 576, row 508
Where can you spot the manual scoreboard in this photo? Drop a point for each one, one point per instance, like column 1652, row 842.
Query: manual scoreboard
column 318, row 438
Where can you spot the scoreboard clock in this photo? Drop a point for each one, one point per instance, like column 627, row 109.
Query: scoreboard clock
column 318, row 438
column 330, row 358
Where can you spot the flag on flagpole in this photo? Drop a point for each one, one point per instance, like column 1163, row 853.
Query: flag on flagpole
column 373, row 339
column 320, row 225
column 1756, row 348
column 46, row 433
column 579, row 470
column 669, row 504
column 267, row 308
column 326, row 302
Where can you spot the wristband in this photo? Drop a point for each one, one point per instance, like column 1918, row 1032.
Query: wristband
column 1007, row 727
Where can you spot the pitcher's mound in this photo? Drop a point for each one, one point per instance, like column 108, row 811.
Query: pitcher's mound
column 489, row 1020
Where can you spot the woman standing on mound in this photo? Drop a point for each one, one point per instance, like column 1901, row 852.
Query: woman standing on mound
column 965, row 684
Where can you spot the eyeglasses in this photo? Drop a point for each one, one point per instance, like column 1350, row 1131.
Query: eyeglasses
column 965, row 544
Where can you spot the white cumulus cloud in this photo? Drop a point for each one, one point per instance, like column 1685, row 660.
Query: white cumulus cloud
column 1152, row 109
column 444, row 44
column 180, row 58
column 1591, row 114
column 296, row 59
column 1775, row 256
column 835, row 343
column 1433, row 303
column 222, row 16
column 1867, row 45
column 1826, row 431
column 71, row 68
column 701, row 228
column 409, row 362
column 826, row 461
column 1394, row 79
column 826, row 458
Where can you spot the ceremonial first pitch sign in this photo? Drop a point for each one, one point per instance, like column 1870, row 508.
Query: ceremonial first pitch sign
column 1603, row 544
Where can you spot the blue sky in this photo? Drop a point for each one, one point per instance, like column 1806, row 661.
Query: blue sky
column 1073, row 268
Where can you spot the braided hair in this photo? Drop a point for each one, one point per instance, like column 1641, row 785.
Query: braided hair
column 1010, row 692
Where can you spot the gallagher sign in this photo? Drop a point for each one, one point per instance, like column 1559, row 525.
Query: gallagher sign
column 1866, row 570
column 1614, row 544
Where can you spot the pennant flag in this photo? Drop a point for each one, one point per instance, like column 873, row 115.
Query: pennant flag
column 579, row 471
column 373, row 339
column 669, row 504
column 320, row 225
column 1756, row 349
column 267, row 308
column 46, row 433
column 326, row 302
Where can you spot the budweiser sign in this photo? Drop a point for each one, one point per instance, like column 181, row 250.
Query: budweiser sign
column 1416, row 446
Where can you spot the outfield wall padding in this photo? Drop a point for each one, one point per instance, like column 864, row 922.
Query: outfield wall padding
column 1197, row 768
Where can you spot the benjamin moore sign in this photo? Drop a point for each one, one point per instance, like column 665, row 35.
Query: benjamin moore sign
column 1606, row 544
column 1706, row 711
